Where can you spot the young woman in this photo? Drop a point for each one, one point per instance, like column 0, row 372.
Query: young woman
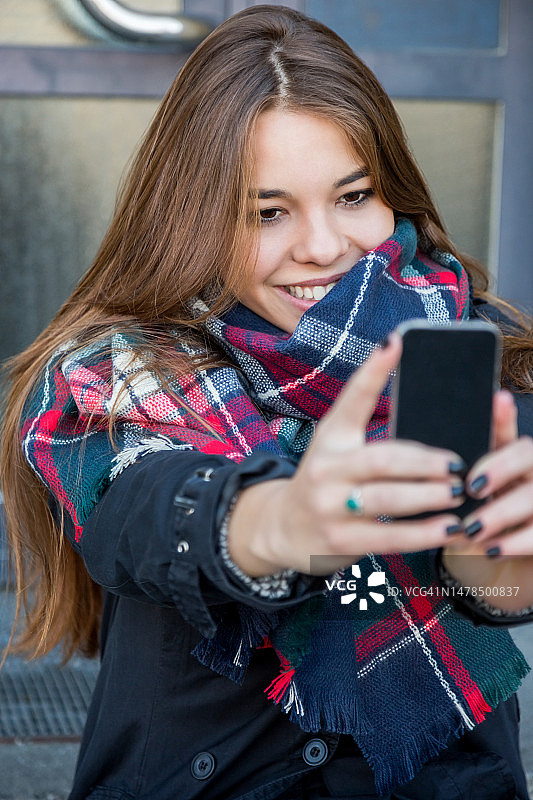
column 188, row 432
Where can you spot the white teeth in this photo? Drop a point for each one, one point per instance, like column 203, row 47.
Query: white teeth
column 310, row 292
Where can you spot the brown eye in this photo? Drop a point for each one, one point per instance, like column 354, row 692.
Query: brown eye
column 353, row 197
column 356, row 198
column 270, row 215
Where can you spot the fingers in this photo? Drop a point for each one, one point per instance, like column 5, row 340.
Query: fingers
column 358, row 399
column 364, row 536
column 345, row 460
column 513, row 544
column 504, row 419
column 513, row 509
column 504, row 524
column 502, row 467
column 400, row 499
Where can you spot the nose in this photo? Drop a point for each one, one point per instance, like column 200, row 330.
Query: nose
column 319, row 240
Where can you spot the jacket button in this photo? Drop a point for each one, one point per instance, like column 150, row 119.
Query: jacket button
column 183, row 546
column 203, row 766
column 315, row 752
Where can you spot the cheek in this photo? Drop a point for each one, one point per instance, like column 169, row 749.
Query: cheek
column 259, row 262
column 387, row 221
column 267, row 260
column 381, row 228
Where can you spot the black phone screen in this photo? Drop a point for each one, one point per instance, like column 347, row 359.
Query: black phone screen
column 445, row 384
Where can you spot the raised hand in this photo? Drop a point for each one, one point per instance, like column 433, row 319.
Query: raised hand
column 331, row 506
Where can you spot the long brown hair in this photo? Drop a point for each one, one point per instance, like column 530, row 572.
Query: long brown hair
column 181, row 229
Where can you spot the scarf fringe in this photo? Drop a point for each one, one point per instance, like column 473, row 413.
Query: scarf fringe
column 313, row 711
column 505, row 681
column 390, row 772
column 277, row 688
column 150, row 444
column 477, row 704
column 283, row 690
column 229, row 652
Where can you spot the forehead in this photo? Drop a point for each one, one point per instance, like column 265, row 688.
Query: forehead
column 286, row 144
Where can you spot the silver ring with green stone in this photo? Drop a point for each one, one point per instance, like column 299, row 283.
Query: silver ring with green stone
column 354, row 502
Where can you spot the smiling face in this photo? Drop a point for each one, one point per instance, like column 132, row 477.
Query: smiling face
column 318, row 214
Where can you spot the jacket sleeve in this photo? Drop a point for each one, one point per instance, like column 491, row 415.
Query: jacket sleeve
column 153, row 536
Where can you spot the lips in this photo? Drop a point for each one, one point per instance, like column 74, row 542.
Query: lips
column 307, row 292
column 313, row 289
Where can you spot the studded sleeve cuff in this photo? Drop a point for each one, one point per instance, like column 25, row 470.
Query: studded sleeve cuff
column 271, row 587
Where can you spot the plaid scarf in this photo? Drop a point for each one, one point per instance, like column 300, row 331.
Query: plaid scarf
column 380, row 655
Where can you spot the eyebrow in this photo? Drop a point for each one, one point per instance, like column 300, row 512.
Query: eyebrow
column 355, row 176
column 352, row 178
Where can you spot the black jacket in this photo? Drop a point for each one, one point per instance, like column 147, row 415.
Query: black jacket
column 163, row 727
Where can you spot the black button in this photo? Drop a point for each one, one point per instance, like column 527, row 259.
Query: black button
column 315, row 752
column 203, row 766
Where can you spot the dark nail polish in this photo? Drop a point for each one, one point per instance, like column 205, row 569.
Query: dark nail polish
column 458, row 490
column 473, row 528
column 451, row 530
column 385, row 342
column 457, row 467
column 478, row 484
column 492, row 552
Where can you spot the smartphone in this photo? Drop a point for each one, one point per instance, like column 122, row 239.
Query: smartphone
column 444, row 386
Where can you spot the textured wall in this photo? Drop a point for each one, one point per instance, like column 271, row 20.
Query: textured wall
column 60, row 164
column 454, row 144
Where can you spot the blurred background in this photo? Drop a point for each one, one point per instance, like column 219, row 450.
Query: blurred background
column 79, row 83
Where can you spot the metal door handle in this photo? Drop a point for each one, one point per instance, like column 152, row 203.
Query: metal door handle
column 144, row 27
